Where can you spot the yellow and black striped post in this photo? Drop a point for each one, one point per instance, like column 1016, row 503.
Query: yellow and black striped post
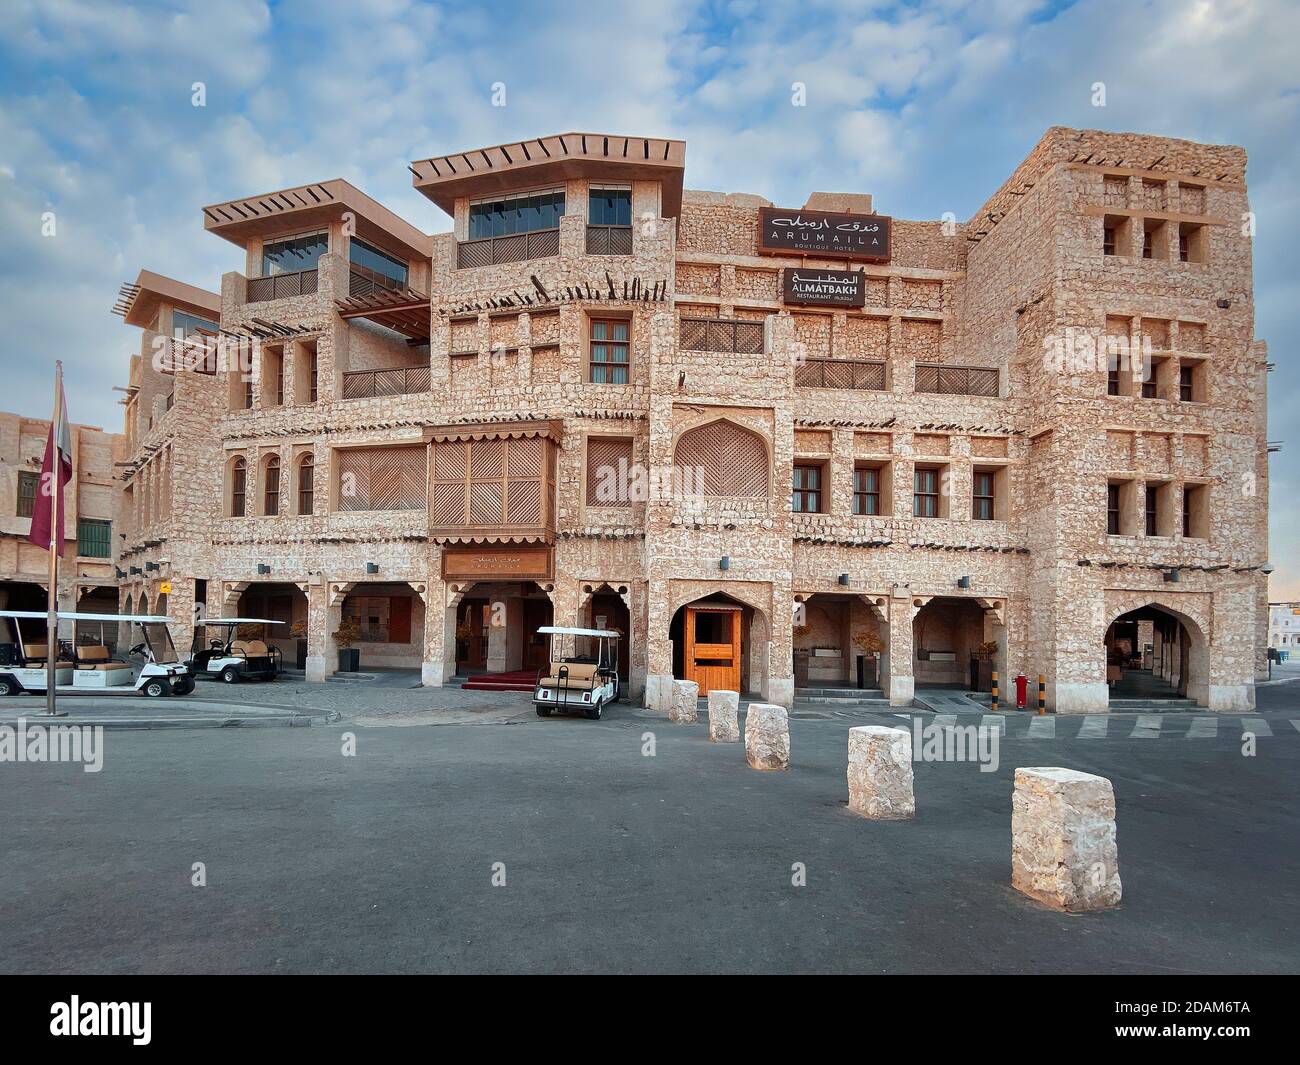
column 994, row 702
column 1042, row 694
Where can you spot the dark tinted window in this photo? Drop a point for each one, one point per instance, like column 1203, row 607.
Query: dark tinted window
column 294, row 254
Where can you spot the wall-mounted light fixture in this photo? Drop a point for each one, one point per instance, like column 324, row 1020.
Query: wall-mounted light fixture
column 724, row 562
column 151, row 567
column 1173, row 576
column 263, row 568
column 844, row 579
column 135, row 571
column 119, row 572
column 372, row 567
column 963, row 582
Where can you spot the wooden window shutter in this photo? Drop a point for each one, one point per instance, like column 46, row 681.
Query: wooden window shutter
column 730, row 460
column 609, row 469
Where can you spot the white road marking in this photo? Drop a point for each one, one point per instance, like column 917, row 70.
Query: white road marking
column 1257, row 725
column 993, row 721
column 945, row 720
column 1203, row 728
column 1094, row 727
column 1042, row 728
column 1146, row 728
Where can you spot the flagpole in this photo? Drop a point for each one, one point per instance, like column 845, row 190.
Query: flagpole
column 56, row 530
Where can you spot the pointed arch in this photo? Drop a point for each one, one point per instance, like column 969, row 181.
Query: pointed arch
column 726, row 459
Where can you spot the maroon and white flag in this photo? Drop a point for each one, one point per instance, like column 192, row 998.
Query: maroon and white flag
column 56, row 471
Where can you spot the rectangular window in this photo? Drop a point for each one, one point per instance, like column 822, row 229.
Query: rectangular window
column 1152, row 510
column 27, row 493
column 185, row 325
column 381, row 478
column 982, row 500
column 806, row 498
column 1112, row 509
column 363, row 254
column 609, row 471
column 293, row 254
column 609, row 351
column 313, row 374
column 1186, row 384
column 522, row 213
column 307, row 485
column 866, row 490
column 1108, row 240
column 1195, row 511
column 609, row 205
column 925, row 493
column 94, row 538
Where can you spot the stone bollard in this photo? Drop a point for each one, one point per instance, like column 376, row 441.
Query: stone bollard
column 724, row 724
column 767, row 736
column 880, row 773
column 686, row 694
column 1063, row 849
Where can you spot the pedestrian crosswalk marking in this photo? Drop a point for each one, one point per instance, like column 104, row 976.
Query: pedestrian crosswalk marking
column 1147, row 727
column 1256, row 725
column 1296, row 723
column 992, row 721
column 1093, row 728
column 946, row 720
column 1042, row 728
column 1203, row 728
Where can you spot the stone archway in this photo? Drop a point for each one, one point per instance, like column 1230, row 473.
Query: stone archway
column 1155, row 651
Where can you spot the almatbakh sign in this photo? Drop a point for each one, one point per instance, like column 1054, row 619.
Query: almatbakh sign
column 824, row 288
column 826, row 234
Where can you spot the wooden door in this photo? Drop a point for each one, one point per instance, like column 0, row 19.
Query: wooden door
column 712, row 651
column 471, row 635
column 537, row 646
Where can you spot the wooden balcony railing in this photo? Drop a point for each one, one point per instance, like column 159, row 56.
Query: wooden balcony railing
column 402, row 381
column 841, row 373
column 515, row 248
column 609, row 240
column 366, row 282
column 957, row 380
column 722, row 334
column 278, row 286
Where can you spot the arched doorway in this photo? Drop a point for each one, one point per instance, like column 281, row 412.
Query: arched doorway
column 956, row 643
column 839, row 641
column 1154, row 653
column 495, row 631
column 711, row 640
column 606, row 609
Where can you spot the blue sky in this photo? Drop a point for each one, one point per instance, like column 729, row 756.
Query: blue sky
column 928, row 106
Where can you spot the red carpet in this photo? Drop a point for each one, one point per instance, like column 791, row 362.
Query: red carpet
column 519, row 681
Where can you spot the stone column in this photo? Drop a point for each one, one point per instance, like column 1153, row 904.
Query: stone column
column 902, row 681
column 1063, row 849
column 724, row 724
column 767, row 736
column 320, row 646
column 880, row 773
column 439, row 637
column 684, row 709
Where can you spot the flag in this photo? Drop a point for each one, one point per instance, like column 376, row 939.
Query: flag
column 56, row 471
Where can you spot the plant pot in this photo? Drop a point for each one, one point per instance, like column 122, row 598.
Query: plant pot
column 300, row 658
column 349, row 659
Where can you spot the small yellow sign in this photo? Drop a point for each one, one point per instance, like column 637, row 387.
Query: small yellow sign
column 165, row 588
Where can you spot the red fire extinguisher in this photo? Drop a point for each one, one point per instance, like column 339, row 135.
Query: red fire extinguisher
column 1022, row 690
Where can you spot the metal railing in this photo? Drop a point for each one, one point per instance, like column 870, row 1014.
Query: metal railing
column 609, row 240
column 365, row 282
column 841, row 373
column 957, row 380
column 280, row 286
column 514, row 248
column 402, row 381
column 722, row 334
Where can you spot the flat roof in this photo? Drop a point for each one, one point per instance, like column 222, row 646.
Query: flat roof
column 271, row 214
column 138, row 300
column 546, row 160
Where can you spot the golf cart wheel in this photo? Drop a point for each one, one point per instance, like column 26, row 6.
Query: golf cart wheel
column 157, row 688
column 183, row 687
column 8, row 687
column 543, row 711
column 230, row 675
column 594, row 713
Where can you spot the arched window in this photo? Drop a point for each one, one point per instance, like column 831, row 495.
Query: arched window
column 271, row 487
column 238, row 488
column 722, row 458
column 143, row 609
column 307, row 484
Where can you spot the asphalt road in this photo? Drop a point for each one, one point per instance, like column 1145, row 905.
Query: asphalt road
column 615, row 861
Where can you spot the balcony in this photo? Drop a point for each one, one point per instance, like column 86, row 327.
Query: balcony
column 722, row 334
column 609, row 240
column 868, row 374
column 513, row 248
column 402, row 381
column 363, row 281
column 280, row 286
column 957, row 380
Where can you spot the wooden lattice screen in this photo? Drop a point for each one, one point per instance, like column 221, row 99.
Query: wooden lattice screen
column 490, row 483
column 721, row 334
column 957, row 380
column 609, row 467
column 382, row 478
column 730, row 460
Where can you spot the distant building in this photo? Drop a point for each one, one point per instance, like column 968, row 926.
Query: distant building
column 1284, row 626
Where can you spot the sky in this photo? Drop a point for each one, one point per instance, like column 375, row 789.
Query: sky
column 928, row 106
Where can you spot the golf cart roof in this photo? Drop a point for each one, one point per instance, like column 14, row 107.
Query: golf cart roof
column 560, row 630
column 235, row 621
column 64, row 615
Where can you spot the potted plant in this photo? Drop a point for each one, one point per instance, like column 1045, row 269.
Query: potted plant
column 869, row 643
column 298, row 630
column 348, row 633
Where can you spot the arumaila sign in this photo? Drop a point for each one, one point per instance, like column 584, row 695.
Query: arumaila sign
column 825, row 288
column 826, row 234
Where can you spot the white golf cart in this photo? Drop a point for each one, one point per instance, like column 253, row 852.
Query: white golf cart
column 582, row 671
column 232, row 659
column 89, row 668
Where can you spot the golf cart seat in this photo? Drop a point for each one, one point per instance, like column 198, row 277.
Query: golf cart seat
column 256, row 649
column 579, row 673
column 97, row 657
column 38, row 655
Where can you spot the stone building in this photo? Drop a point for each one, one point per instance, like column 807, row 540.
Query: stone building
column 775, row 446
column 1284, row 626
column 87, row 578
